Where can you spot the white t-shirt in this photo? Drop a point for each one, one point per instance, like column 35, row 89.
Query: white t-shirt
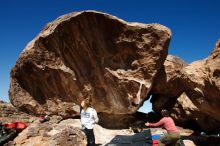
column 89, row 118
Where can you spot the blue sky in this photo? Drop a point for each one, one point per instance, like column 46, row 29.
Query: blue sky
column 195, row 24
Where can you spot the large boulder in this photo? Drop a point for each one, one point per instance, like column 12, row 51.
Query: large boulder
column 167, row 85
column 191, row 92
column 186, row 113
column 202, row 79
column 89, row 54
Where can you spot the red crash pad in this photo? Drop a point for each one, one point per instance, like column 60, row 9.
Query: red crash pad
column 16, row 125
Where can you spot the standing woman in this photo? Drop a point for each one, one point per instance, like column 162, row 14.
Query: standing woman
column 88, row 120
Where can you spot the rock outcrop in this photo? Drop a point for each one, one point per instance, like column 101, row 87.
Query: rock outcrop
column 194, row 93
column 50, row 133
column 9, row 114
column 167, row 84
column 89, row 54
column 202, row 79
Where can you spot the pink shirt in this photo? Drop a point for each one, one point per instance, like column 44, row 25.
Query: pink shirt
column 167, row 123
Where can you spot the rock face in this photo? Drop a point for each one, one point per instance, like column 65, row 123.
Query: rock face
column 202, row 79
column 167, row 83
column 89, row 54
column 185, row 111
column 197, row 94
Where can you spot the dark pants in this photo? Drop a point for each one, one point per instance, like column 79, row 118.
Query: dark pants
column 90, row 137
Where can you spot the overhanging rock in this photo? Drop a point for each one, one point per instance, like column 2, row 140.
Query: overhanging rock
column 85, row 54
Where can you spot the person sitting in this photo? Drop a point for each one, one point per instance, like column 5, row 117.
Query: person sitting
column 172, row 136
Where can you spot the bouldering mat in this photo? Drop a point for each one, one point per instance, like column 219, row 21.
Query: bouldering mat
column 139, row 139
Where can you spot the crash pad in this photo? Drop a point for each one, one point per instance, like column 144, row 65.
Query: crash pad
column 9, row 135
column 139, row 139
column 16, row 125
